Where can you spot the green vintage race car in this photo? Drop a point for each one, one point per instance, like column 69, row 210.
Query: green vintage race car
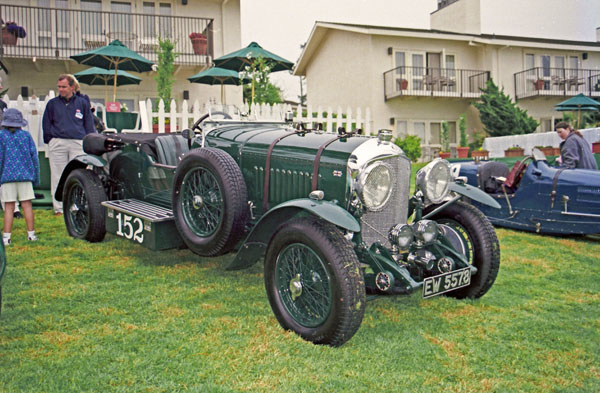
column 330, row 213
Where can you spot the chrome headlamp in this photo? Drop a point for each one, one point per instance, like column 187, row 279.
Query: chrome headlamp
column 401, row 235
column 375, row 185
column 434, row 179
column 426, row 230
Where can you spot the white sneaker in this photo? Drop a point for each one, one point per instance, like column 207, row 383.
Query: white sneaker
column 32, row 238
column 6, row 241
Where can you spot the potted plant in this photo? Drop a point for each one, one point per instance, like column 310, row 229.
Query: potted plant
column 480, row 154
column 539, row 84
column 10, row 32
column 547, row 150
column 445, row 141
column 463, row 148
column 199, row 43
column 164, row 78
column 514, row 151
column 403, row 83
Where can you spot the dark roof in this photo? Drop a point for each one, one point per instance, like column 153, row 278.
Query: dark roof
column 485, row 36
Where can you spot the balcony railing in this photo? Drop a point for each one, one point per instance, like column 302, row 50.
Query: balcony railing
column 436, row 82
column 54, row 33
column 540, row 81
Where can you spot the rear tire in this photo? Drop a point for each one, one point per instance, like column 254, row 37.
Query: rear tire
column 84, row 214
column 480, row 242
column 314, row 281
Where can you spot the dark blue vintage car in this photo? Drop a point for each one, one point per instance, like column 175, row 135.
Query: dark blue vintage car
column 537, row 197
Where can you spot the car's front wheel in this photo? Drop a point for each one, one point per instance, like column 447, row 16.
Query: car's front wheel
column 83, row 213
column 314, row 282
column 474, row 236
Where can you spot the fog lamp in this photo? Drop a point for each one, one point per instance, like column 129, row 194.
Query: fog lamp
column 426, row 230
column 401, row 235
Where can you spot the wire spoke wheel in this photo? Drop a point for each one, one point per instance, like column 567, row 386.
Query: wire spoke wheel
column 304, row 285
column 202, row 202
column 78, row 210
column 83, row 195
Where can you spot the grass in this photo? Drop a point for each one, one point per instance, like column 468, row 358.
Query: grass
column 116, row 317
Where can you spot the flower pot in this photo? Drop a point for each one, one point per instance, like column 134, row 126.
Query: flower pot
column 444, row 154
column 514, row 153
column 548, row 151
column 480, row 154
column 596, row 147
column 462, row 151
column 539, row 84
column 403, row 84
column 155, row 128
column 199, row 45
column 8, row 39
column 556, row 151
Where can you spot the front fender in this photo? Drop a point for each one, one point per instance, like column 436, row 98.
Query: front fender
column 81, row 161
column 474, row 193
column 255, row 245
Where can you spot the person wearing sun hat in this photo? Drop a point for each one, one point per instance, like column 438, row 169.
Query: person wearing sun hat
column 19, row 171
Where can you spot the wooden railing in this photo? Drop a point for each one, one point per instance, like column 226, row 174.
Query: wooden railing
column 56, row 33
column 436, row 82
column 540, row 81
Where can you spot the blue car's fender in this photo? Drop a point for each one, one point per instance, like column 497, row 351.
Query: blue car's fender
column 255, row 245
column 81, row 161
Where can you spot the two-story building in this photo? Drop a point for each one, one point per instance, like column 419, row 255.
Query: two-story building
column 57, row 29
column 414, row 79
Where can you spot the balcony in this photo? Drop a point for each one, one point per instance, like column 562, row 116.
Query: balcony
column 434, row 82
column 556, row 82
column 54, row 33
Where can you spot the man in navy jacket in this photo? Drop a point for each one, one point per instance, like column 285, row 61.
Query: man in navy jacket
column 67, row 119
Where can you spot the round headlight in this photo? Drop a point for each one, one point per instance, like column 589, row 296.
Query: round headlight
column 434, row 179
column 375, row 186
column 401, row 235
column 426, row 230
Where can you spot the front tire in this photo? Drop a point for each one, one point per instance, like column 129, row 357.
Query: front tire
column 479, row 244
column 83, row 213
column 314, row 281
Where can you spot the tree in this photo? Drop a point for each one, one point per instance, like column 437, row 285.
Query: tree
column 264, row 90
column 445, row 137
column 166, row 66
column 500, row 115
column 462, row 126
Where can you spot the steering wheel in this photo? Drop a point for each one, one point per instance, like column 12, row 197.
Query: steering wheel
column 196, row 125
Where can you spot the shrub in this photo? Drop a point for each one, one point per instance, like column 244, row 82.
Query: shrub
column 445, row 137
column 411, row 145
column 462, row 126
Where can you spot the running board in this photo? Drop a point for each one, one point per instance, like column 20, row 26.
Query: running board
column 150, row 225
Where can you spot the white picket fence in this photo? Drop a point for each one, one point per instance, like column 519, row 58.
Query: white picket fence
column 182, row 116
column 32, row 110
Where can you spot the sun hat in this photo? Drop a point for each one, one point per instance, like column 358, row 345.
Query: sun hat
column 13, row 118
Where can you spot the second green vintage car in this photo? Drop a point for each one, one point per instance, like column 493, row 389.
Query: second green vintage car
column 330, row 214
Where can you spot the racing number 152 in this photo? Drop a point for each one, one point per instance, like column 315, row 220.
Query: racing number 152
column 125, row 226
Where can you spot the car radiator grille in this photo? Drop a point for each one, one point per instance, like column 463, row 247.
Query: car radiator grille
column 376, row 225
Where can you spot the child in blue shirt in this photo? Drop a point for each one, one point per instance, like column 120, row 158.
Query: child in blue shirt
column 19, row 171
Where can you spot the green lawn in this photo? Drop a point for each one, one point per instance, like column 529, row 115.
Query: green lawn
column 115, row 317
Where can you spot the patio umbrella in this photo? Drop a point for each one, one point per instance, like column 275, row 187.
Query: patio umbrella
column 578, row 103
column 114, row 56
column 241, row 58
column 216, row 75
column 100, row 76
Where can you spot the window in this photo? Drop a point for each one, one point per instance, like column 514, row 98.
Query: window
column 164, row 22
column 529, row 61
column 51, row 21
column 401, row 129
column 120, row 19
column 419, row 130
column 149, row 22
column 91, row 21
column 435, row 131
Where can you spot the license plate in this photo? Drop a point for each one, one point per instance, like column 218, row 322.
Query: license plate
column 436, row 285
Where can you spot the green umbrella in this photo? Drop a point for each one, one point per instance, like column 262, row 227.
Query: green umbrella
column 100, row 76
column 578, row 103
column 216, row 75
column 114, row 56
column 244, row 57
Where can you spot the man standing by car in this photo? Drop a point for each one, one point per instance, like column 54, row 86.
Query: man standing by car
column 575, row 152
column 67, row 119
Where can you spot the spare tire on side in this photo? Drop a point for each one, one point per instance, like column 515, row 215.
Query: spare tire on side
column 210, row 201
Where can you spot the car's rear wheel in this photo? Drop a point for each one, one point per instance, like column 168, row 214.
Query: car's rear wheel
column 314, row 282
column 83, row 213
column 474, row 236
column 209, row 201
